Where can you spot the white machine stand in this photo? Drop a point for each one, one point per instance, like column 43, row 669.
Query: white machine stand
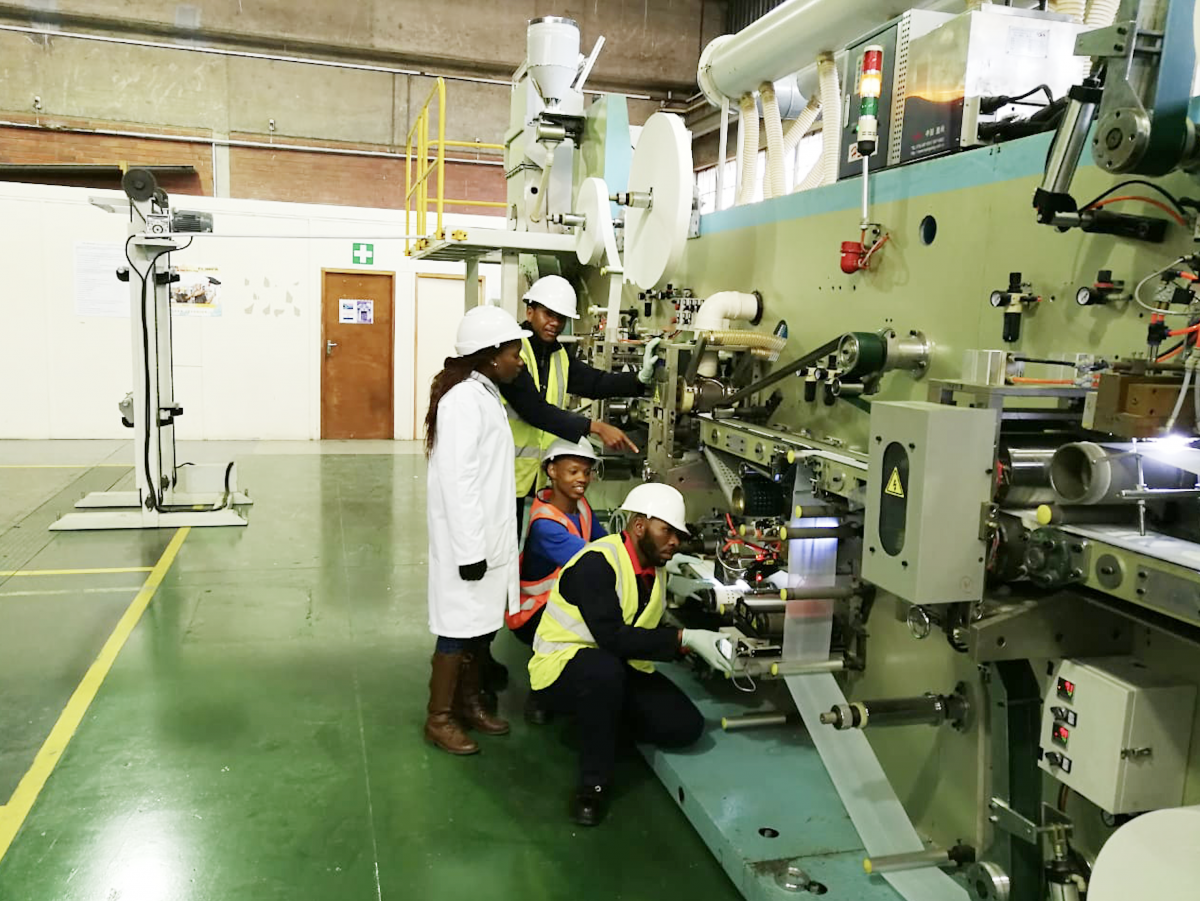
column 167, row 495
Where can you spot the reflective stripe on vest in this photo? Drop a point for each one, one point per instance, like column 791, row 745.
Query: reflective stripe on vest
column 562, row 632
column 529, row 443
column 535, row 593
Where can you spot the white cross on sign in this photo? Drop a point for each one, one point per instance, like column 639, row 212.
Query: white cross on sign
column 364, row 254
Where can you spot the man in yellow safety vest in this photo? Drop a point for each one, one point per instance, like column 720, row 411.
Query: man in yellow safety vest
column 599, row 632
column 537, row 398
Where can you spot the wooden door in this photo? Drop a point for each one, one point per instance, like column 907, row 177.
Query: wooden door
column 357, row 348
column 439, row 309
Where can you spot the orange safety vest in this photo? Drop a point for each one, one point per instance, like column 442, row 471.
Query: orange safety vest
column 535, row 592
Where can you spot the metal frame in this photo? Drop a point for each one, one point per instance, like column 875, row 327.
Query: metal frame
column 151, row 316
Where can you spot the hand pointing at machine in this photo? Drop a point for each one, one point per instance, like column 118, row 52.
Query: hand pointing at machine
column 612, row 437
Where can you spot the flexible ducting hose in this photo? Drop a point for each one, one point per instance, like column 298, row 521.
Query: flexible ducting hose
column 801, row 124
column 824, row 171
column 775, row 184
column 1100, row 14
column 769, row 345
column 715, row 315
column 1076, row 9
column 749, row 149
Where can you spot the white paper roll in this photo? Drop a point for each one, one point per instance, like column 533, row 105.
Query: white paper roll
column 877, row 814
column 1156, row 855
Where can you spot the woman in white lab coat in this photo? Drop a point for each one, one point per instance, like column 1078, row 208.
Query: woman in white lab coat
column 473, row 563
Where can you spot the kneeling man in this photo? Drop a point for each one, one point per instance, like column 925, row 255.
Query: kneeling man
column 598, row 635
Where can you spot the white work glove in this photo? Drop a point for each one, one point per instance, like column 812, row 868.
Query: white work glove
column 707, row 645
column 649, row 361
column 676, row 564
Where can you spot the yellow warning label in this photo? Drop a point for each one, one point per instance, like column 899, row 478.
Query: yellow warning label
column 894, row 488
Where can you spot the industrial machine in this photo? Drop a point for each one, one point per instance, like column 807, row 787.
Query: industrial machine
column 942, row 460
column 168, row 494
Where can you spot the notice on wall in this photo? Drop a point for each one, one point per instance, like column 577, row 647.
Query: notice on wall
column 97, row 291
column 356, row 312
column 197, row 293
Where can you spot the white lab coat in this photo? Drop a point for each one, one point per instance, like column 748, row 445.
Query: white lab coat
column 469, row 507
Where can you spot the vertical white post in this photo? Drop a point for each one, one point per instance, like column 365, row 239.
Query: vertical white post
column 722, row 152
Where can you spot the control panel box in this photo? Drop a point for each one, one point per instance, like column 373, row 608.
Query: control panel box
column 1117, row 733
column 894, row 38
column 930, row 474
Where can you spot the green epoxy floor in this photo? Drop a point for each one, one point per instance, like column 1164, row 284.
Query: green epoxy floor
column 259, row 735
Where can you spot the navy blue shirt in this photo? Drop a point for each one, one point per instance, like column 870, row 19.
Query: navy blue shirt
column 549, row 546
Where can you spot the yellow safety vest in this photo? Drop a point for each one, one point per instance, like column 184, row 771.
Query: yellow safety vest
column 530, row 443
column 562, row 633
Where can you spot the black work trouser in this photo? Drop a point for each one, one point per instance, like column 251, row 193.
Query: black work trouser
column 604, row 693
column 528, row 629
column 521, row 512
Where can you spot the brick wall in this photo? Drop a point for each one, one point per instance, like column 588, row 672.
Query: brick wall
column 274, row 173
column 42, row 147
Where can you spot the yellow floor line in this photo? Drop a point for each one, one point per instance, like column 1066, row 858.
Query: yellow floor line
column 76, row 572
column 66, row 466
column 13, row 814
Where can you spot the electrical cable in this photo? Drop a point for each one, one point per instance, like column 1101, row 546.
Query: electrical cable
column 1158, row 203
column 1137, row 292
column 155, row 502
column 1169, row 352
column 1187, row 380
column 989, row 105
column 1175, row 201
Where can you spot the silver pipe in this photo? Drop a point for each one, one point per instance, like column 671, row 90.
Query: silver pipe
column 1068, row 146
column 274, row 57
column 1087, row 473
column 1152, row 494
column 755, row 721
column 228, row 142
column 1028, row 469
column 913, row 860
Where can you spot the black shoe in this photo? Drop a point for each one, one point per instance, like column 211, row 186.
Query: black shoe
column 589, row 805
column 535, row 713
column 494, row 674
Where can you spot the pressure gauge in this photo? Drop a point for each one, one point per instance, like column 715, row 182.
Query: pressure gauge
column 998, row 299
column 1087, row 297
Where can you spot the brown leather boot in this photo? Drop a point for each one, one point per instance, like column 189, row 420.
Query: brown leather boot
column 469, row 704
column 441, row 727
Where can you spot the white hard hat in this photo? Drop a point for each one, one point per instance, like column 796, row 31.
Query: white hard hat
column 554, row 293
column 660, row 501
column 563, row 448
column 486, row 327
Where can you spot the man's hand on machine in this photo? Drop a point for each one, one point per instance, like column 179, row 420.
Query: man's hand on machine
column 613, row 438
column 473, row 572
column 707, row 645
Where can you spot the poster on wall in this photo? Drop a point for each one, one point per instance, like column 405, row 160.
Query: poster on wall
column 356, row 312
column 197, row 293
column 97, row 291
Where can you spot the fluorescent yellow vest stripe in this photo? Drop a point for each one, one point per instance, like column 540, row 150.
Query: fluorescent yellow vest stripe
column 530, row 443
column 562, row 633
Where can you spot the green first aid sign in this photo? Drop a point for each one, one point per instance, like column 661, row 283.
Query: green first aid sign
column 364, row 254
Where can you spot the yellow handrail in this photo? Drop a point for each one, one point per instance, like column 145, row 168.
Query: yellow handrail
column 416, row 179
column 418, row 183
